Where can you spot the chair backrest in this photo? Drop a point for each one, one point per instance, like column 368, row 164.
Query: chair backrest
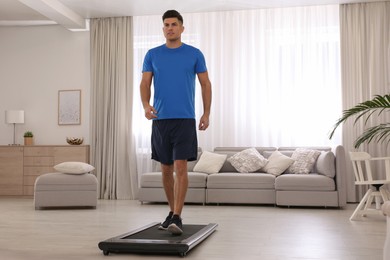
column 362, row 167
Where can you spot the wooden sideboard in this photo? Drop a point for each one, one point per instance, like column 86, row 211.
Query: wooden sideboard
column 21, row 165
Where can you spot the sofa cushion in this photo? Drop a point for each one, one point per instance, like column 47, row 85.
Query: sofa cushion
column 304, row 182
column 325, row 164
column 248, row 160
column 235, row 180
column 154, row 180
column 277, row 163
column 230, row 151
column 191, row 164
column 210, row 162
column 304, row 160
column 227, row 166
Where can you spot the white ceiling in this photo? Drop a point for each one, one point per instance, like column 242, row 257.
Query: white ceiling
column 70, row 13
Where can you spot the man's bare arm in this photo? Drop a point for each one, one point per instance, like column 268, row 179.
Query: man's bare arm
column 145, row 91
column 206, row 97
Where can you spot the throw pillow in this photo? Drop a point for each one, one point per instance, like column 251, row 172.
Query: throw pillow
column 210, row 162
column 277, row 163
column 248, row 160
column 304, row 160
column 74, row 167
column 325, row 164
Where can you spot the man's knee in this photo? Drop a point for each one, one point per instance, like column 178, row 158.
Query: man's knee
column 181, row 166
column 167, row 168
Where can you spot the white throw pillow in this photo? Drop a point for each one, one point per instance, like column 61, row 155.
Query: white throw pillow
column 248, row 160
column 325, row 164
column 277, row 163
column 74, row 167
column 304, row 161
column 210, row 162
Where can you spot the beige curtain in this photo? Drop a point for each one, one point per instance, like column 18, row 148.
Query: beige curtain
column 111, row 94
column 365, row 61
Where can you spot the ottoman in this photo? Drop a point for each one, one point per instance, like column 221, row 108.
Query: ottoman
column 65, row 190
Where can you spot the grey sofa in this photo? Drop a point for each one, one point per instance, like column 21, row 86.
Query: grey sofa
column 232, row 187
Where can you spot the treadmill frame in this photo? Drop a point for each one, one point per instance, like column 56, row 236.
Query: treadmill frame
column 120, row 244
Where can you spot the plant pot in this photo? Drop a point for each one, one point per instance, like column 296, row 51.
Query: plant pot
column 28, row 141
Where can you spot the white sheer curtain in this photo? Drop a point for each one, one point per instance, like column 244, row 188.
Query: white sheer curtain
column 275, row 75
column 365, row 48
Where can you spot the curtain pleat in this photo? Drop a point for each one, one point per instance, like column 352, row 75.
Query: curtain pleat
column 112, row 141
column 365, row 60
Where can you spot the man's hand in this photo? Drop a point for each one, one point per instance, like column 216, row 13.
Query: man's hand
column 203, row 123
column 150, row 112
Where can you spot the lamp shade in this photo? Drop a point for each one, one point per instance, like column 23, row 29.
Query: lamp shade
column 14, row 116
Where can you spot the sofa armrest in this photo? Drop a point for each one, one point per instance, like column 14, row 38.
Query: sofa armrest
column 340, row 177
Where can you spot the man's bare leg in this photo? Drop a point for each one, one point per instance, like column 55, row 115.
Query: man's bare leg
column 168, row 183
column 181, row 186
column 180, row 190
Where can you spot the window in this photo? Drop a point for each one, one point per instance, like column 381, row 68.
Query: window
column 275, row 74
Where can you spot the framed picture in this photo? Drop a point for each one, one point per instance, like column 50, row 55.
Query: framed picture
column 69, row 107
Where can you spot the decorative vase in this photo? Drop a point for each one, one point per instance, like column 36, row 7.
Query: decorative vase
column 28, row 141
column 74, row 140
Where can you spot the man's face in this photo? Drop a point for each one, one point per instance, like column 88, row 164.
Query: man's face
column 172, row 29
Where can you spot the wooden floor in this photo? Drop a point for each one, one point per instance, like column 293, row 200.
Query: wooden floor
column 244, row 232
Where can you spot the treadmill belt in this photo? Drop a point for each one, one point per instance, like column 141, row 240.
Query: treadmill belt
column 154, row 233
column 150, row 240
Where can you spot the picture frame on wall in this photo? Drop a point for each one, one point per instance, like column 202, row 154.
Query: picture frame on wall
column 69, row 107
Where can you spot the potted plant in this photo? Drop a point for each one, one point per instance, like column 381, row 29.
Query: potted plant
column 28, row 138
column 378, row 133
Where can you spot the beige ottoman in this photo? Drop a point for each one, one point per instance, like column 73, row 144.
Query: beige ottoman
column 65, row 190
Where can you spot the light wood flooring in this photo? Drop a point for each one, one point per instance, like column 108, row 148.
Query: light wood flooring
column 244, row 232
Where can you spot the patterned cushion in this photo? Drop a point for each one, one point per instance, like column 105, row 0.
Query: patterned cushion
column 249, row 160
column 304, row 160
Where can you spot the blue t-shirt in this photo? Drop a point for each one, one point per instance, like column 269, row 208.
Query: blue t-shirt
column 174, row 72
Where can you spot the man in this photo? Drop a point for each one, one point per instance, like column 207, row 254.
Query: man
column 173, row 67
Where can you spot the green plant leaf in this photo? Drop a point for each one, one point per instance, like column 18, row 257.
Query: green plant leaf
column 28, row 134
column 377, row 133
column 377, row 105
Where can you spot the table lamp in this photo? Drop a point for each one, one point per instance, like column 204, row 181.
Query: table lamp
column 14, row 117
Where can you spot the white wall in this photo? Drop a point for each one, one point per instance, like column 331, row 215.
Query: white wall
column 35, row 63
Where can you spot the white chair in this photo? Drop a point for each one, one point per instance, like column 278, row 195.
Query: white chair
column 386, row 248
column 361, row 163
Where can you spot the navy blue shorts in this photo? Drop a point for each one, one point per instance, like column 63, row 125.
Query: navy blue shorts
column 174, row 139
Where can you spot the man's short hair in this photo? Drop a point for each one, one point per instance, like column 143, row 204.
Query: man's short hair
column 172, row 14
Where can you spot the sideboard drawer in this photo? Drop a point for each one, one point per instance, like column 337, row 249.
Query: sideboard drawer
column 37, row 170
column 39, row 161
column 29, row 180
column 38, row 151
